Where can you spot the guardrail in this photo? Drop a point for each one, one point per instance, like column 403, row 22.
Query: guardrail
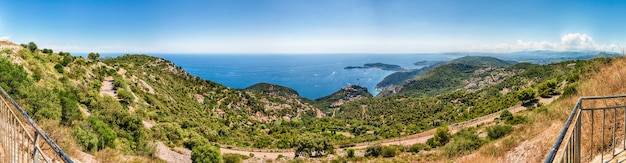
column 16, row 141
column 572, row 133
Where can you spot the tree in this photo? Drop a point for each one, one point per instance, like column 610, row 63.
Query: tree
column 389, row 152
column 32, row 46
column 313, row 145
column 526, row 95
column 547, row 88
column 59, row 67
column 107, row 135
column 506, row 115
column 206, row 154
column 498, row 131
column 70, row 112
column 373, row 150
column 47, row 51
column 350, row 152
column 441, row 137
column 93, row 56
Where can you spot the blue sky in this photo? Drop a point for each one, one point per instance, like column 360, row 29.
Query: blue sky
column 314, row 26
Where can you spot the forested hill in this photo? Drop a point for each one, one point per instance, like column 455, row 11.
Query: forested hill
column 466, row 72
column 272, row 89
column 345, row 94
column 121, row 105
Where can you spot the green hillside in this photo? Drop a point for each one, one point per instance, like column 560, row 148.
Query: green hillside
column 120, row 106
column 454, row 75
column 346, row 94
column 272, row 89
column 398, row 78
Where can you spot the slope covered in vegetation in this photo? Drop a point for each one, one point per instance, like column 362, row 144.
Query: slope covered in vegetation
column 451, row 76
column 154, row 100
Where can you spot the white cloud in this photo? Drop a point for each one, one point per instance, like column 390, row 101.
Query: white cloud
column 577, row 41
column 569, row 42
column 5, row 38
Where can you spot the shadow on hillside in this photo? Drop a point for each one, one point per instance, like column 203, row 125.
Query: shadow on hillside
column 531, row 103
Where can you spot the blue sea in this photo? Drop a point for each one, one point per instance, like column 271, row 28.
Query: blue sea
column 313, row 76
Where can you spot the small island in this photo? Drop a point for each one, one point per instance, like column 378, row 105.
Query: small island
column 382, row 66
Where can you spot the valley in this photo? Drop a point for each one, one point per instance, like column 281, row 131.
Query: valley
column 132, row 104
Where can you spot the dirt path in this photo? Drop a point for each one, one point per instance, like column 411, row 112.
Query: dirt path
column 408, row 140
column 107, row 87
column 272, row 155
column 165, row 153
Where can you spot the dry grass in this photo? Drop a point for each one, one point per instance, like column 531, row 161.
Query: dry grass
column 609, row 80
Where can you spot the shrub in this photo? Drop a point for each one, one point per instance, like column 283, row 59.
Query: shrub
column 118, row 82
column 547, row 88
column 70, row 112
column 47, row 51
column 88, row 140
column 441, row 137
column 498, row 131
column 373, row 150
column 526, row 94
column 518, row 119
column 464, row 142
column 313, row 145
column 32, row 46
column 125, row 96
column 389, row 152
column 235, row 158
column 506, row 115
column 350, row 152
column 418, row 147
column 570, row 90
column 206, row 154
column 107, row 135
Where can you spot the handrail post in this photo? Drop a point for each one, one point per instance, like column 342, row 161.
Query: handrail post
column 35, row 151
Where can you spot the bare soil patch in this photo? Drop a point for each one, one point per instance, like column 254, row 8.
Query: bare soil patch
column 167, row 154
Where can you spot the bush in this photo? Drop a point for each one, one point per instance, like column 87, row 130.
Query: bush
column 373, row 150
column 526, row 95
column 518, row 119
column 234, row 158
column 70, row 112
column 107, row 135
column 313, row 145
column 32, row 46
column 389, row 152
column 570, row 90
column 88, row 140
column 547, row 88
column 463, row 144
column 415, row 148
column 441, row 137
column 506, row 115
column 206, row 154
column 47, row 51
column 350, row 152
column 125, row 96
column 498, row 131
column 118, row 82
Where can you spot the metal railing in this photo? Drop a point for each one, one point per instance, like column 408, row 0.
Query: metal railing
column 568, row 147
column 17, row 140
